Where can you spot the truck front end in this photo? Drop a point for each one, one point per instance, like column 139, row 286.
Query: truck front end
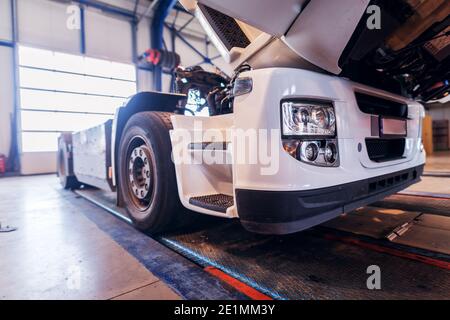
column 332, row 146
column 324, row 107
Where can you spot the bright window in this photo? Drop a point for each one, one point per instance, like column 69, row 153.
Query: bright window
column 64, row 92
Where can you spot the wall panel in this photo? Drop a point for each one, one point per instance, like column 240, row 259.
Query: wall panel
column 108, row 37
column 43, row 24
column 5, row 20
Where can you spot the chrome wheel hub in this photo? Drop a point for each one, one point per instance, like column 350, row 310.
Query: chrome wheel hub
column 139, row 172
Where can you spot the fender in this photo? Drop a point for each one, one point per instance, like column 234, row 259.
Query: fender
column 143, row 101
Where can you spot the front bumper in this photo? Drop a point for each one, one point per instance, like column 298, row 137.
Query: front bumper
column 283, row 212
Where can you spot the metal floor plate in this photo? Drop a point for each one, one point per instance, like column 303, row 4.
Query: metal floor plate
column 373, row 222
column 104, row 199
column 306, row 265
column 430, row 232
column 439, row 206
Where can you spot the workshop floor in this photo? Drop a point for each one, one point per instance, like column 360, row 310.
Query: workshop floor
column 58, row 253
column 432, row 184
column 438, row 161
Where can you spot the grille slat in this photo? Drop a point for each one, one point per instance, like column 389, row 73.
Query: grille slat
column 226, row 28
column 382, row 183
column 380, row 150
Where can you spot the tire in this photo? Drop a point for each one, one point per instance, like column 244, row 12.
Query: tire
column 147, row 180
column 64, row 165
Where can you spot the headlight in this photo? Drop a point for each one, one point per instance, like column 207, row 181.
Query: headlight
column 309, row 132
column 242, row 86
column 322, row 153
column 308, row 119
column 330, row 153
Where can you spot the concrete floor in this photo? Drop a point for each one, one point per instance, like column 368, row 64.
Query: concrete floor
column 432, row 184
column 58, row 253
column 438, row 161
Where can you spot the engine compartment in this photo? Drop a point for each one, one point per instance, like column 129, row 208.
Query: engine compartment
column 408, row 55
column 203, row 89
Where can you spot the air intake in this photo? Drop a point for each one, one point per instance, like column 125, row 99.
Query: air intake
column 382, row 107
column 380, row 150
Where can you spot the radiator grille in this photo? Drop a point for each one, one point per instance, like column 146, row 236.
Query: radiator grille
column 381, row 150
column 226, row 28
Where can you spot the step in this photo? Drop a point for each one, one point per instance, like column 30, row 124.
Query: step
column 216, row 202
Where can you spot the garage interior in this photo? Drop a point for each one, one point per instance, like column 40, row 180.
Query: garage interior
column 66, row 66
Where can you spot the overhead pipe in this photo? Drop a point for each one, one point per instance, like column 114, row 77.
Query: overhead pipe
column 82, row 30
column 14, row 164
column 9, row 44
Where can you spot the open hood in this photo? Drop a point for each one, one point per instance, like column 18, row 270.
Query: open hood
column 408, row 55
column 270, row 16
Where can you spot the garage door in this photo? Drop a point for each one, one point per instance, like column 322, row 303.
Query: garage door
column 65, row 92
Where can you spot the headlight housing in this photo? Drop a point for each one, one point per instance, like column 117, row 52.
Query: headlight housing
column 308, row 119
column 309, row 132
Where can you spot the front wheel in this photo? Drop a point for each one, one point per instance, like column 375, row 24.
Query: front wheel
column 147, row 178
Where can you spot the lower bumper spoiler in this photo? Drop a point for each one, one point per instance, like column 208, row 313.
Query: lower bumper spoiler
column 283, row 212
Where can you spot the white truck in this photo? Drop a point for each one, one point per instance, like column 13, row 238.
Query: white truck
column 321, row 117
